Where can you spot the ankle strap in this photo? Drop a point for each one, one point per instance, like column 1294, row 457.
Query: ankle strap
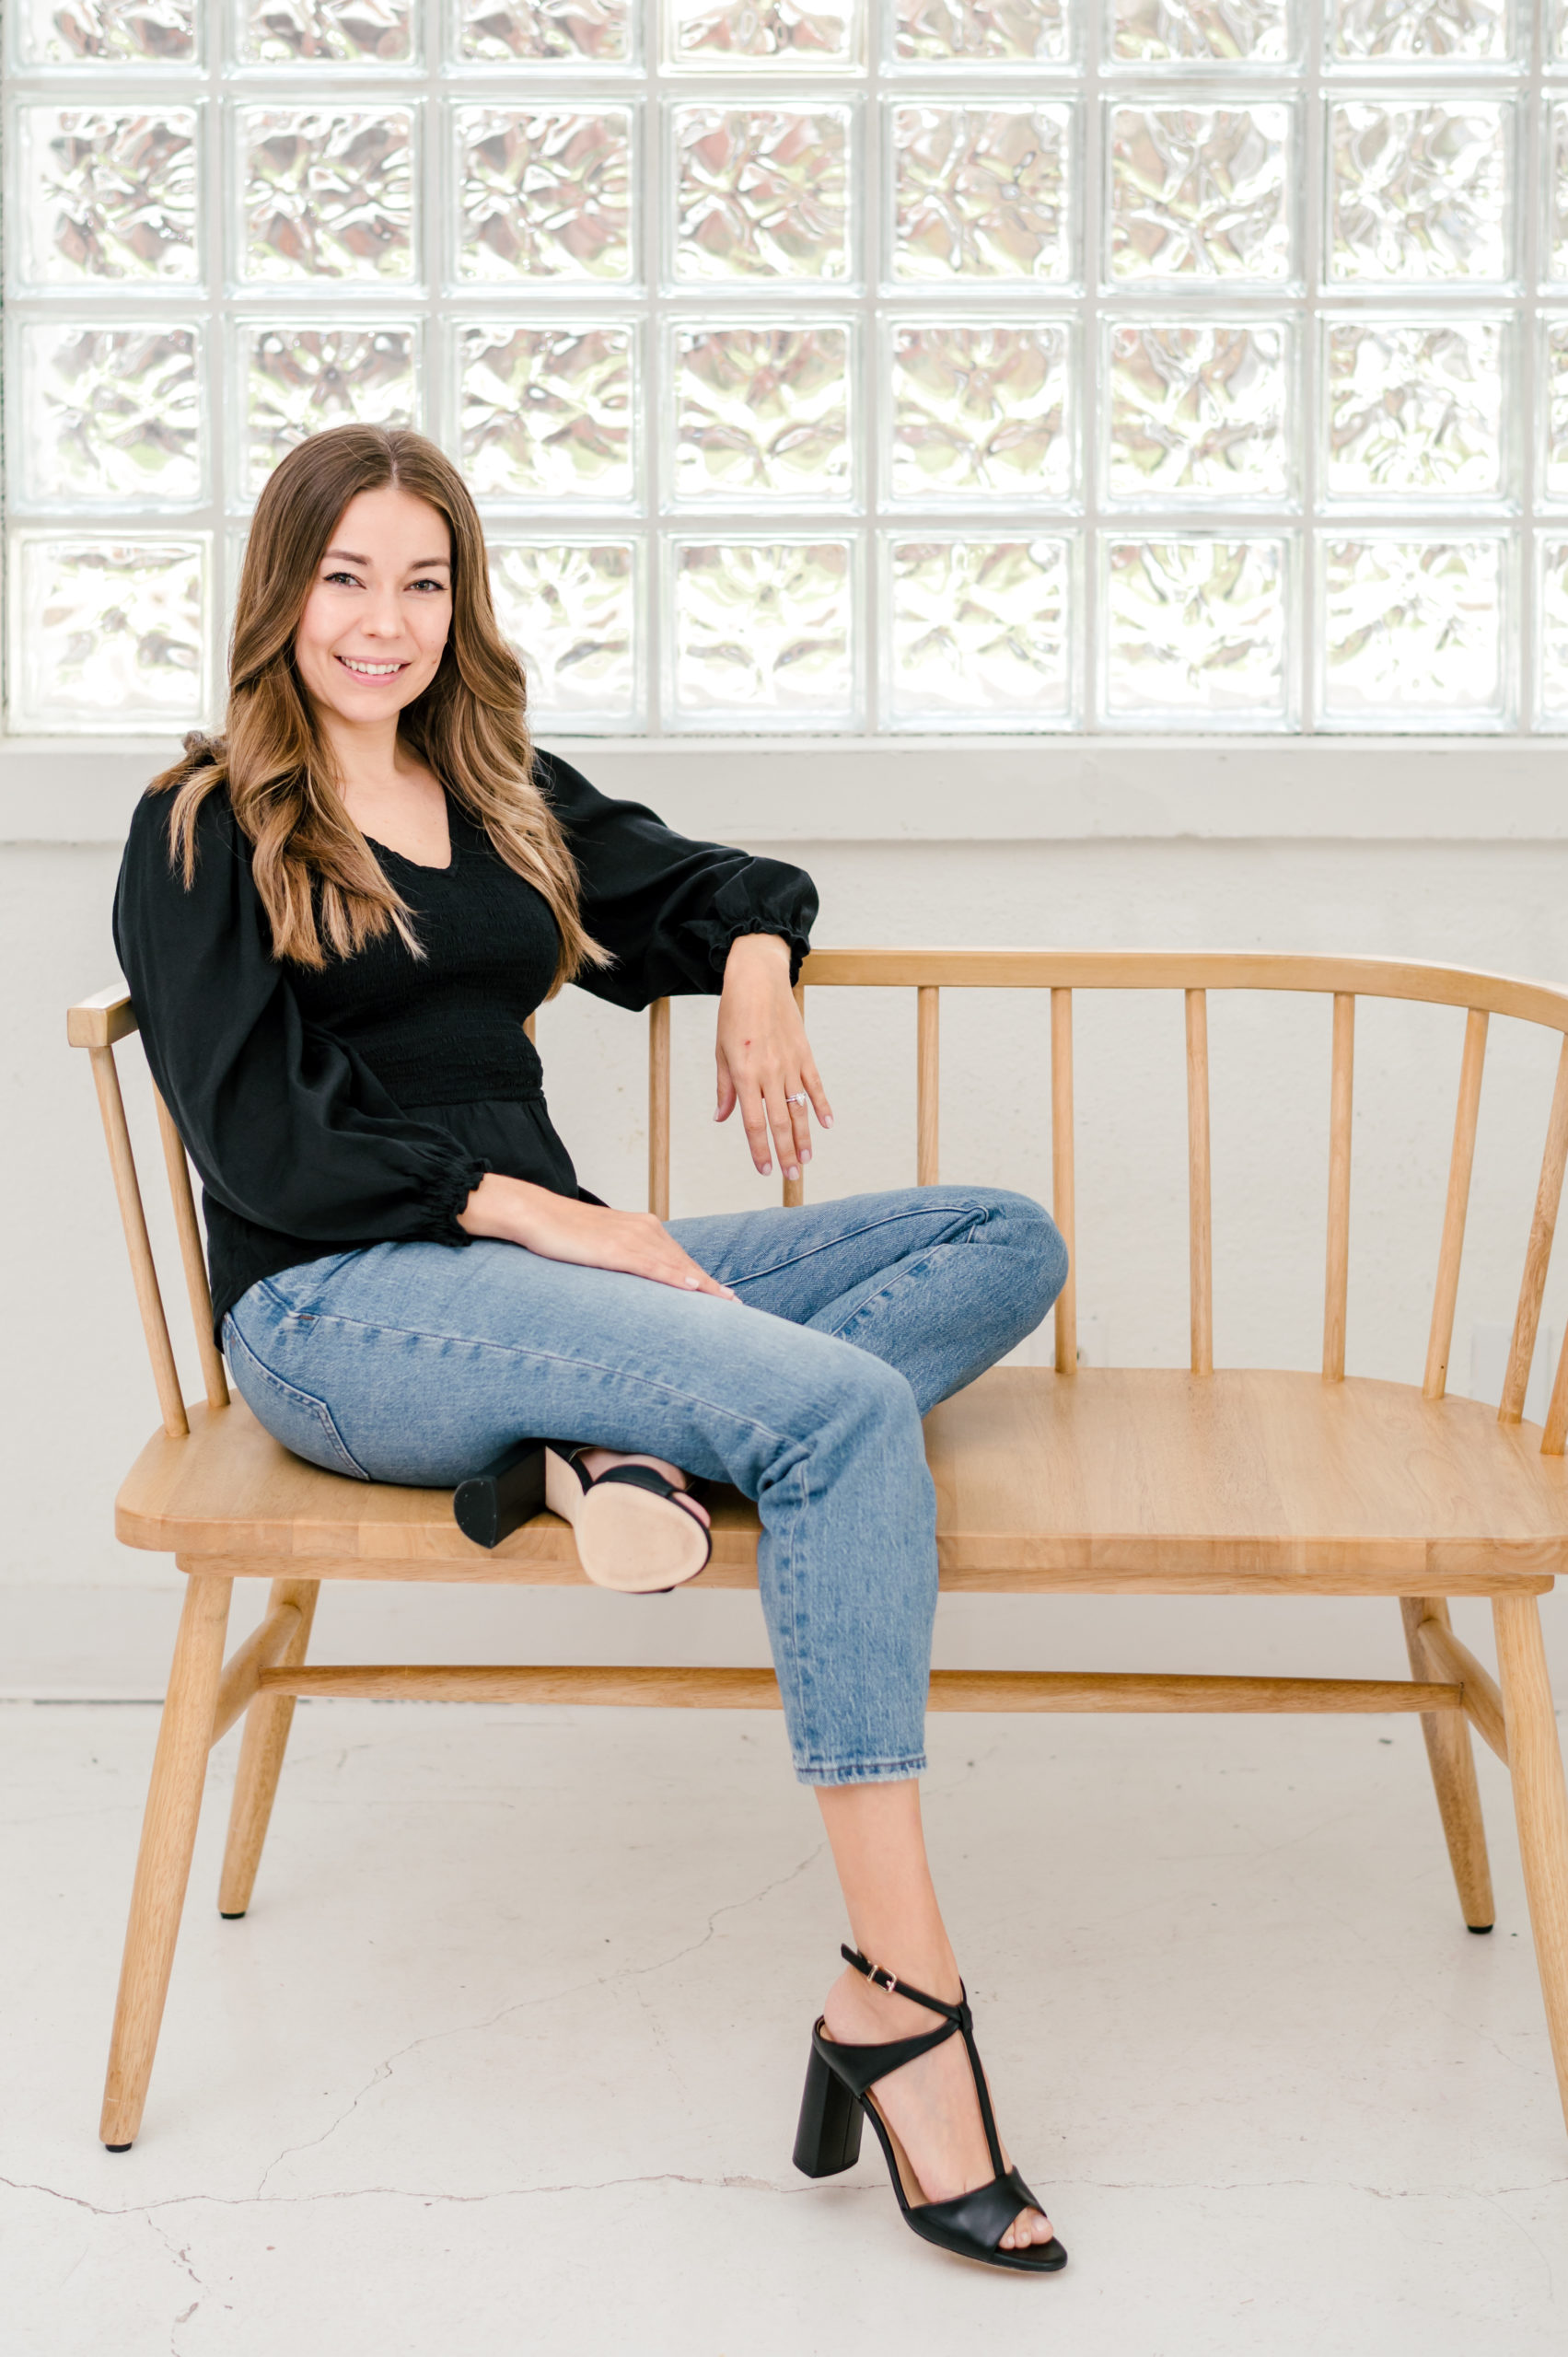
column 880, row 1977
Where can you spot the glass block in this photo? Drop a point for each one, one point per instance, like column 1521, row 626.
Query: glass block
column 983, row 193
column 1200, row 192
column 1412, row 630
column 1420, row 33
column 764, row 632
column 761, row 192
column 1554, row 410
column 1418, row 192
column 1557, row 195
column 108, row 32
column 115, row 631
column 545, row 32
column 1195, row 629
column 1556, row 30
column 329, row 33
column 113, row 195
column 546, row 412
column 109, row 413
column 734, row 34
column 1413, row 409
column 545, row 193
column 1200, row 32
column 571, row 612
column 298, row 380
column 981, row 32
column 980, row 411
column 1198, row 412
column 980, row 631
column 761, row 413
column 327, row 194
column 1552, row 604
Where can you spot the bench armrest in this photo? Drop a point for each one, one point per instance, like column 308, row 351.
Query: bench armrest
column 98, row 1021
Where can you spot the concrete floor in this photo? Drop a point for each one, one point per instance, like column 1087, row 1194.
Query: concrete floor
column 507, row 2055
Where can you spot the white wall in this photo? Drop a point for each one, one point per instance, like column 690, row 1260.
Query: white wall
column 82, row 1614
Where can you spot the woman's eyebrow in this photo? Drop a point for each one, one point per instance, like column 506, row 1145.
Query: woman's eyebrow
column 420, row 565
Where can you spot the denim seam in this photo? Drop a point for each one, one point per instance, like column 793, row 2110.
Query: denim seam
column 910, row 1763
column 796, row 1260
column 307, row 1399
column 553, row 1358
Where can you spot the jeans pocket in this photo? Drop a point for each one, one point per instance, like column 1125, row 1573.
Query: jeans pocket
column 303, row 1423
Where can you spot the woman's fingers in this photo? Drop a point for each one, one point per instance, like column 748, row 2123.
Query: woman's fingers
column 811, row 1081
column 754, row 1114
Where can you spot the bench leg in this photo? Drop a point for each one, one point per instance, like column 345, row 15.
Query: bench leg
column 261, row 1748
column 1452, row 1761
column 163, row 1862
column 1540, row 1804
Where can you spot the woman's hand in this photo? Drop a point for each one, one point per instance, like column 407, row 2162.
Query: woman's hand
column 764, row 1056
column 558, row 1227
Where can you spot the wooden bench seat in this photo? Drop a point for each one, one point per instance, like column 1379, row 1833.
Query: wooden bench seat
column 1140, row 1479
column 1202, row 1481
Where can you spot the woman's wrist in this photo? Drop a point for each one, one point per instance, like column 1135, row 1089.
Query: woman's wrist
column 506, row 1209
column 758, row 953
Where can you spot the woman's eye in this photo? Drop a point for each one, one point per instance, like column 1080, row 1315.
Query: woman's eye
column 353, row 579
column 437, row 585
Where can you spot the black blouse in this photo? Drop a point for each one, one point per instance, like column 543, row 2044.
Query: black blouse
column 333, row 1108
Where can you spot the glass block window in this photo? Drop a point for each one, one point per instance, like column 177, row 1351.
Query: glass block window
column 825, row 365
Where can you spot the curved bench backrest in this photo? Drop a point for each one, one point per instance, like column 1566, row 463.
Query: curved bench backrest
column 1062, row 972
column 97, row 1024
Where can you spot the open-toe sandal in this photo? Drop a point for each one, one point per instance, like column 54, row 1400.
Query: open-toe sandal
column 631, row 1531
column 838, row 2100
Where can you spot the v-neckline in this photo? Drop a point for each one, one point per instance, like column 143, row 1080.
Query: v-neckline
column 423, row 866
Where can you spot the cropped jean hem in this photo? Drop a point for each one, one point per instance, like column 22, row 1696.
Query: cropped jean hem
column 863, row 1772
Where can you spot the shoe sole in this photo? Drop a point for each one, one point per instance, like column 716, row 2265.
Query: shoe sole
column 628, row 1539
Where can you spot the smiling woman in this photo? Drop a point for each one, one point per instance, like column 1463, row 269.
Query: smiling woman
column 335, row 923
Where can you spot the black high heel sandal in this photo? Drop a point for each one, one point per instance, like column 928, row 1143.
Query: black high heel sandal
column 631, row 1533
column 838, row 2080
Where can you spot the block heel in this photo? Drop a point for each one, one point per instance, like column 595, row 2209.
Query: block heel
column 838, row 2080
column 828, row 2138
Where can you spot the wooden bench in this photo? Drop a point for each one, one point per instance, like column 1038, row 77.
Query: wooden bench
column 1141, row 1480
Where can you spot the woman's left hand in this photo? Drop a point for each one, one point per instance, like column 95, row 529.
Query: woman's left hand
column 764, row 1057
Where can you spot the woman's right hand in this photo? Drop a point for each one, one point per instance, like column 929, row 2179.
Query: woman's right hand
column 558, row 1227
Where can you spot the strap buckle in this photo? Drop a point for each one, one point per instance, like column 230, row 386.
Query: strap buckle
column 880, row 1977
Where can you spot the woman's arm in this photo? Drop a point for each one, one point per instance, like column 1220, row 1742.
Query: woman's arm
column 591, row 1236
column 287, row 1127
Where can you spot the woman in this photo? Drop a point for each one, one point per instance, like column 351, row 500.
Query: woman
column 334, row 921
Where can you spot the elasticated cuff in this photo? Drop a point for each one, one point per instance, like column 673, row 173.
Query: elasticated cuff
column 443, row 1194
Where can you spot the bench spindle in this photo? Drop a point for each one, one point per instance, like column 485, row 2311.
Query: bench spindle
column 1455, row 1211
column 133, row 1219
column 1337, row 1279
column 659, row 1107
column 1200, row 1219
column 927, row 1090
column 191, row 1255
column 1538, row 1253
column 1062, row 1175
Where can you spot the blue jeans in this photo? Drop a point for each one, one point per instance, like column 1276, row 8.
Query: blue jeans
column 418, row 1362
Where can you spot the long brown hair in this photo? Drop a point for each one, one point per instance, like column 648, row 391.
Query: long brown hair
column 321, row 883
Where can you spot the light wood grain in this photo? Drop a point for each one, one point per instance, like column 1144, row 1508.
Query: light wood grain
column 98, row 1021
column 193, row 1259
column 927, row 1089
column 1541, row 1806
column 757, row 1689
column 1447, row 1658
column 1336, row 1282
column 659, row 1109
column 163, row 1862
column 1200, row 1216
column 1455, row 1208
column 1538, row 1252
column 1452, row 1762
column 1554, row 1431
column 133, row 1219
column 262, row 1750
column 1185, row 969
column 1246, row 1482
column 1062, row 1209
column 243, row 1673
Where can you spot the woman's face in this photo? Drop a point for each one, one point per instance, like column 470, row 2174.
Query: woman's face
column 376, row 621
